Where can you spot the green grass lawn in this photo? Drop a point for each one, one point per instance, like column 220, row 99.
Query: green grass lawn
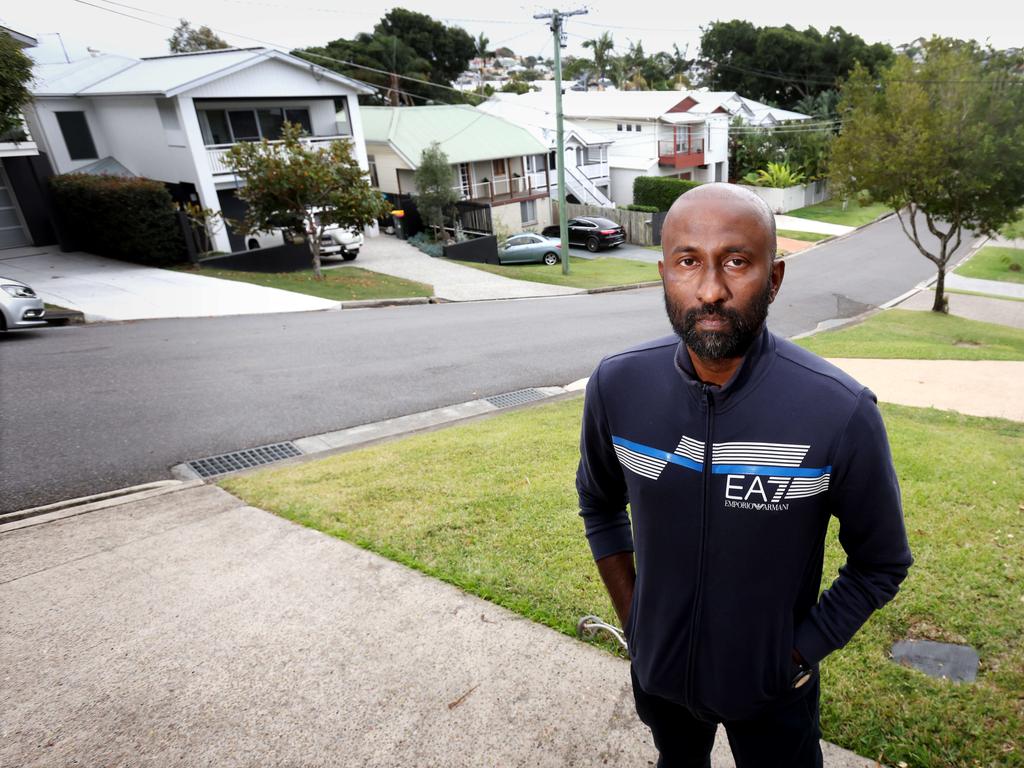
column 811, row 237
column 340, row 284
column 994, row 262
column 601, row 272
column 900, row 333
column 490, row 506
column 1015, row 229
column 832, row 212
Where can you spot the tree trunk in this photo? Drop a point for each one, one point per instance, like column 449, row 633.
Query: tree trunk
column 941, row 303
column 314, row 247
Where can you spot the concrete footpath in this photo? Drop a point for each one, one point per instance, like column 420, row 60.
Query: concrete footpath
column 190, row 629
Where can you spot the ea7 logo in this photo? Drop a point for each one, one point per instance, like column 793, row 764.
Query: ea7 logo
column 755, row 488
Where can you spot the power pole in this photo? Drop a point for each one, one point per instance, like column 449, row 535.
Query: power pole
column 556, row 17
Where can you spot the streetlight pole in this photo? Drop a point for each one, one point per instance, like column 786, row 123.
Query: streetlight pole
column 556, row 17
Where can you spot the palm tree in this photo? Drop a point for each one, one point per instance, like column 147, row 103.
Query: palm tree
column 603, row 47
column 482, row 51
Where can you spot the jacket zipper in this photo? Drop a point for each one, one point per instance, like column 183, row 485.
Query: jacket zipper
column 706, row 478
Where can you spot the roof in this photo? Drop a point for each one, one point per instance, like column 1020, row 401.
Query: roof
column 637, row 105
column 108, row 166
column 539, row 121
column 465, row 134
column 763, row 112
column 23, row 40
column 110, row 75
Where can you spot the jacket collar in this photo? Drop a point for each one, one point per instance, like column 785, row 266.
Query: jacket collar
column 755, row 364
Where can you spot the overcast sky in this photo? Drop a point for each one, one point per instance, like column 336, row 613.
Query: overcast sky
column 94, row 23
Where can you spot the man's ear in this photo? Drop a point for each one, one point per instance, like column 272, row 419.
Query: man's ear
column 778, row 272
column 661, row 269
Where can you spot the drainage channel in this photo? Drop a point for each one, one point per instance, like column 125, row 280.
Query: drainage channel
column 226, row 463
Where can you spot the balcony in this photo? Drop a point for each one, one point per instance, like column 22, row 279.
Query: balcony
column 17, row 142
column 216, row 152
column 504, row 190
column 681, row 153
column 595, row 171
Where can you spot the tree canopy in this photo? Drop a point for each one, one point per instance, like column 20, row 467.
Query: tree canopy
column 939, row 138
column 303, row 189
column 782, row 65
column 435, row 188
column 15, row 75
column 403, row 44
column 186, row 39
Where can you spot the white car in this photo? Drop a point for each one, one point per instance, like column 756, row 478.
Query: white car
column 336, row 241
column 19, row 306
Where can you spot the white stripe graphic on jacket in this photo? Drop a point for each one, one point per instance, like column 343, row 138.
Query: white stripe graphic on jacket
column 642, row 465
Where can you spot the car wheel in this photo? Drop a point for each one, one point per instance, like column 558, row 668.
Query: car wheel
column 551, row 259
column 349, row 256
column 593, row 244
column 253, row 244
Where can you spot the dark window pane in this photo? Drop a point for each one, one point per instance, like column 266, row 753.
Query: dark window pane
column 243, row 125
column 271, row 121
column 300, row 117
column 217, row 124
column 76, row 135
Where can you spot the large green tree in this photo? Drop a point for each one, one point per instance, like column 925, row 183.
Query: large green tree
column 15, row 75
column 940, row 139
column 603, row 47
column 435, row 187
column 782, row 65
column 403, row 48
column 187, row 39
column 302, row 189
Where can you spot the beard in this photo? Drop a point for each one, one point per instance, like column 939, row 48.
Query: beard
column 719, row 345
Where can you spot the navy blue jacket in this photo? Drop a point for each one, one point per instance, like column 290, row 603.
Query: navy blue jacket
column 730, row 491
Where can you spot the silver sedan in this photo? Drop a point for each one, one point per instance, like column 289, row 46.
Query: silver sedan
column 19, row 306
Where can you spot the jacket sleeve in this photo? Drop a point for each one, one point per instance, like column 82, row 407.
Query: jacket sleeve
column 865, row 498
column 599, row 480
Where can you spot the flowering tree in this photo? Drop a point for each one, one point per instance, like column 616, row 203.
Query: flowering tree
column 303, row 189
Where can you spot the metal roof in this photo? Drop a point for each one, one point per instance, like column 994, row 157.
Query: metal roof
column 108, row 166
column 539, row 121
column 609, row 105
column 464, row 133
column 163, row 75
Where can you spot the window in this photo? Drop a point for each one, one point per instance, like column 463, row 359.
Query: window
column 215, row 126
column 343, row 125
column 528, row 211
column 618, row 127
column 271, row 122
column 243, row 125
column 300, row 117
column 168, row 115
column 629, row 126
column 372, row 162
column 638, row 127
column 498, row 167
column 76, row 134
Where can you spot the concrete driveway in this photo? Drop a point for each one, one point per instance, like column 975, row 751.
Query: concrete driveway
column 106, row 289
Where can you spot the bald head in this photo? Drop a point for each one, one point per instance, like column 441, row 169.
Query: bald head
column 735, row 198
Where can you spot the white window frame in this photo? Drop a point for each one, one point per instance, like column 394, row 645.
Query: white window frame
column 525, row 207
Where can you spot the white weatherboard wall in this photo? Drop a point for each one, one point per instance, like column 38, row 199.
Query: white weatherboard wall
column 388, row 164
column 132, row 128
column 42, row 123
column 784, row 199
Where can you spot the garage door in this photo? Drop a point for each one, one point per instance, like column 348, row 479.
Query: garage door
column 12, row 230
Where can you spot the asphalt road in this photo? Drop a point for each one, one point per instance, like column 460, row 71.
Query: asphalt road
column 86, row 409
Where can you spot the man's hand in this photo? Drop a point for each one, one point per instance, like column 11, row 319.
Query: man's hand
column 619, row 576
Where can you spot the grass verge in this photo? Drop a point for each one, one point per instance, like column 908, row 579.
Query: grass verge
column 341, row 284
column 490, row 507
column 901, row 333
column 832, row 212
column 811, row 237
column 995, row 262
column 602, row 272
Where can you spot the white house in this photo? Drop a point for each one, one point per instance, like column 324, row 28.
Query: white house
column 653, row 133
column 172, row 118
column 498, row 168
column 587, row 175
column 24, row 217
column 749, row 111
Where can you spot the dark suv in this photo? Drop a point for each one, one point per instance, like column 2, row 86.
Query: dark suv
column 593, row 232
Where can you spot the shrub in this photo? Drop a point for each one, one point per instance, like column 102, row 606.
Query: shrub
column 642, row 208
column 777, row 176
column 426, row 243
column 130, row 219
column 659, row 191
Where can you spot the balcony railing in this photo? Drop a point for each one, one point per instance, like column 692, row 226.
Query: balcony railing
column 503, row 189
column 217, row 152
column 594, row 170
column 681, row 153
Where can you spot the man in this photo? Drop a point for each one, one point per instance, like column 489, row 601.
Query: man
column 733, row 448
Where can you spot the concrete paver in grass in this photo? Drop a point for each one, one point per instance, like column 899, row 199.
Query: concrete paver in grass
column 810, row 225
column 452, row 282
column 191, row 629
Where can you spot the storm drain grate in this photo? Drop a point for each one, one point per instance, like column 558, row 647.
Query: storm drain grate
column 250, row 457
column 519, row 397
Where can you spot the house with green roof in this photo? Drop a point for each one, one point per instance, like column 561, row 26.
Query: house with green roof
column 495, row 163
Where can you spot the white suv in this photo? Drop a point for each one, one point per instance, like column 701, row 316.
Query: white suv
column 338, row 241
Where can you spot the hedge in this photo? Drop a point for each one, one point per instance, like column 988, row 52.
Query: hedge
column 131, row 219
column 642, row 208
column 659, row 191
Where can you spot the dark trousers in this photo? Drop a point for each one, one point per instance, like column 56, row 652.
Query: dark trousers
column 785, row 736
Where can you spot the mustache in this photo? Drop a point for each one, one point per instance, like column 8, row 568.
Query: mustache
column 712, row 310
